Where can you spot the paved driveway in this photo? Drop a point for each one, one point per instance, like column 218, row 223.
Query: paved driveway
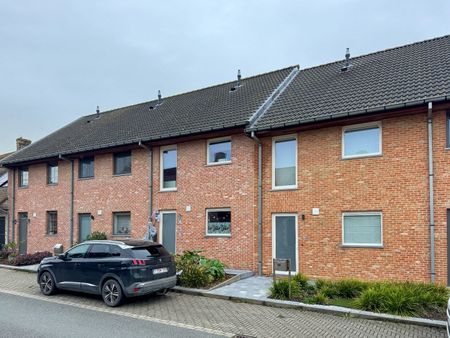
column 223, row 316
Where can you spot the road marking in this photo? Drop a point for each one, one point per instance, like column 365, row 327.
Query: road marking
column 120, row 313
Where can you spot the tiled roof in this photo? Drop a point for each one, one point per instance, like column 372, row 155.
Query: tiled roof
column 391, row 78
column 208, row 109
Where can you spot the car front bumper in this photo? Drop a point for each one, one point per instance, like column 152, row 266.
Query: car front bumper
column 143, row 288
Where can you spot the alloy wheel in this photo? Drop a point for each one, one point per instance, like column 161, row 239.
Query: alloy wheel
column 47, row 284
column 112, row 293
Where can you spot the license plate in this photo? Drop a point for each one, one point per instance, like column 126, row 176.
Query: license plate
column 160, row 270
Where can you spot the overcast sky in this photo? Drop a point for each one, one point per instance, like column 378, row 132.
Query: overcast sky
column 60, row 59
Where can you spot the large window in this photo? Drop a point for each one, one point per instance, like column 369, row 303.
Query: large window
column 361, row 141
column 219, row 151
column 362, row 229
column 218, row 222
column 52, row 173
column 122, row 223
column 168, row 168
column 52, row 222
column 122, row 163
column 86, row 169
column 284, row 162
column 23, row 177
column 99, row 251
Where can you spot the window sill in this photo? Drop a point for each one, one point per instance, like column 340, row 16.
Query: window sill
column 51, row 184
column 168, row 190
column 284, row 189
column 23, row 187
column 361, row 156
column 121, row 236
column 120, row 175
column 85, row 178
column 215, row 164
column 51, row 235
column 349, row 246
column 217, row 236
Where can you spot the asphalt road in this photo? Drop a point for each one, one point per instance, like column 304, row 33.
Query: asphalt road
column 26, row 317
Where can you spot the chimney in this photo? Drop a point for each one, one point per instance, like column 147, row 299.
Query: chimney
column 159, row 97
column 347, row 65
column 238, row 78
column 22, row 143
column 98, row 112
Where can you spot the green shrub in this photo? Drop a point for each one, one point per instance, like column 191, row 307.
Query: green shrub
column 301, row 280
column 198, row 271
column 346, row 288
column 319, row 298
column 9, row 249
column 214, row 268
column 280, row 290
column 404, row 299
column 96, row 235
column 194, row 275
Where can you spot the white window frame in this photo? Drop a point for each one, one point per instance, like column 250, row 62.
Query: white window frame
column 285, row 138
column 161, row 225
column 274, row 241
column 206, row 223
column 363, row 213
column 161, row 167
column 218, row 140
column 362, row 126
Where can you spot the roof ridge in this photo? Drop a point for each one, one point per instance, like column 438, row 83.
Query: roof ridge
column 195, row 90
column 378, row 52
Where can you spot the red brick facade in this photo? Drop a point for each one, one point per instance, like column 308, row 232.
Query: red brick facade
column 395, row 184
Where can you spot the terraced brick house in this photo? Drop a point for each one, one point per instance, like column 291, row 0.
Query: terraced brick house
column 343, row 168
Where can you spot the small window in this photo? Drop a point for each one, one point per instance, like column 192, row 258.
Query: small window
column 99, row 251
column 122, row 163
column 86, row 169
column 52, row 222
column 448, row 129
column 169, row 168
column 284, row 163
column 78, row 251
column 122, row 224
column 52, row 174
column 23, row 177
column 361, row 141
column 219, row 151
column 362, row 229
column 218, row 222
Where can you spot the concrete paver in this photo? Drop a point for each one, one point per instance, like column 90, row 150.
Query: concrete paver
column 228, row 316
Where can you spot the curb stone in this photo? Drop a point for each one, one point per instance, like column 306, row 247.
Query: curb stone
column 329, row 309
column 26, row 268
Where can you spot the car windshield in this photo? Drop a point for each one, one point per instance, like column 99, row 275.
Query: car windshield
column 150, row 251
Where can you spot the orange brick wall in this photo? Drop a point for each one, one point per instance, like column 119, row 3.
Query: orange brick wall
column 395, row 183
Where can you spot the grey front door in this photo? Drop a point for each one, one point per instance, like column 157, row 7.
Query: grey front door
column 285, row 238
column 84, row 222
column 168, row 232
column 2, row 231
column 23, row 232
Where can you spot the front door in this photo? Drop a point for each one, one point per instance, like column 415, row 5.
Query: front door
column 284, row 238
column 23, row 232
column 168, row 231
column 84, row 222
column 2, row 231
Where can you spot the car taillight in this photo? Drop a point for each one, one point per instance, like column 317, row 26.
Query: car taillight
column 138, row 262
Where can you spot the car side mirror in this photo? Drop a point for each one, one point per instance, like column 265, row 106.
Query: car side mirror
column 62, row 256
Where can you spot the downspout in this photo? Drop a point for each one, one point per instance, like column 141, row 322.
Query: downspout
column 12, row 220
column 258, row 141
column 72, row 183
column 430, row 183
column 150, row 177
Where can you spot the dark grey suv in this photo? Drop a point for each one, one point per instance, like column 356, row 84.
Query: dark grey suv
column 113, row 269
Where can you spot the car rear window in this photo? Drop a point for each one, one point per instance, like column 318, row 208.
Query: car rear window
column 150, row 251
